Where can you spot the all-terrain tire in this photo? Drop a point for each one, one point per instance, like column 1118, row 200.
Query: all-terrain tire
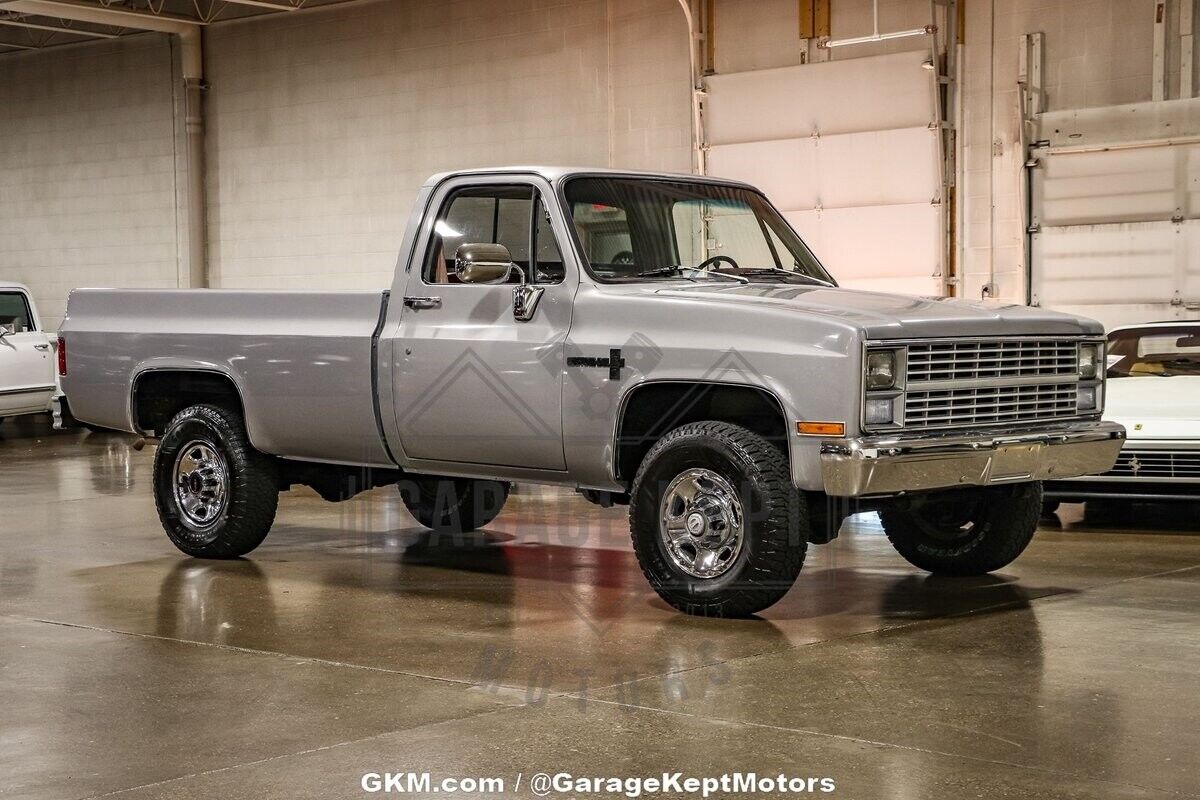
column 248, row 479
column 454, row 505
column 775, row 536
column 997, row 525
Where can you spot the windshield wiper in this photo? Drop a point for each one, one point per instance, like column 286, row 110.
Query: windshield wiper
column 683, row 273
column 720, row 274
column 804, row 276
column 657, row 271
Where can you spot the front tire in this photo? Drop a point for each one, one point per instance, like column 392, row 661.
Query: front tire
column 968, row 531
column 454, row 505
column 717, row 526
column 216, row 495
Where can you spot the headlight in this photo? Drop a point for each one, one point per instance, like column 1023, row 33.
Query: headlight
column 879, row 411
column 1087, row 398
column 1089, row 360
column 881, row 369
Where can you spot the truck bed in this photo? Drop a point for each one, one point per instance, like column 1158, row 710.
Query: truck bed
column 301, row 361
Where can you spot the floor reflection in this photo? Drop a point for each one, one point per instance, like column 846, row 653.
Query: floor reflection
column 1126, row 516
column 216, row 601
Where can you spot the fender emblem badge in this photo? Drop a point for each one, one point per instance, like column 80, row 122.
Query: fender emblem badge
column 614, row 362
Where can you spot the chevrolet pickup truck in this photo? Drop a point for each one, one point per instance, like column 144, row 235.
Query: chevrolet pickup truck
column 662, row 341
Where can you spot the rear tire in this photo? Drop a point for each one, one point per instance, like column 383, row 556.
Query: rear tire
column 216, row 495
column 454, row 505
column 718, row 528
column 967, row 531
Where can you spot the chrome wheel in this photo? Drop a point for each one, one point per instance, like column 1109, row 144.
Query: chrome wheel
column 201, row 485
column 701, row 523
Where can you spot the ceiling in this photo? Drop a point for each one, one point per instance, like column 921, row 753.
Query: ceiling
column 60, row 22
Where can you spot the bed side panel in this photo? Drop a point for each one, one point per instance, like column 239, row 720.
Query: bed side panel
column 301, row 361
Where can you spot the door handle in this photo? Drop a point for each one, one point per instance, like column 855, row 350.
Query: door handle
column 423, row 302
column 41, row 347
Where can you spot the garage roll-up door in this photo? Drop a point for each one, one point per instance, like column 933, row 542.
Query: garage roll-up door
column 1116, row 229
column 846, row 150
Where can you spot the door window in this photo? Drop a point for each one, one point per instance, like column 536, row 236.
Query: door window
column 492, row 214
column 495, row 215
column 14, row 310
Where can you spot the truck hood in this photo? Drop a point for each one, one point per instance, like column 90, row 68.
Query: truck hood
column 893, row 316
column 1155, row 408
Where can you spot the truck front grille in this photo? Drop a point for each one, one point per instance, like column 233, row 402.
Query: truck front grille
column 989, row 405
column 1140, row 463
column 991, row 358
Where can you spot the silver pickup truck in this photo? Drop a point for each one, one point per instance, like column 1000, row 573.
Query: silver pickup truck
column 662, row 341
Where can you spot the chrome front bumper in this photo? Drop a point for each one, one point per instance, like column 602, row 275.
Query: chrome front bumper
column 892, row 464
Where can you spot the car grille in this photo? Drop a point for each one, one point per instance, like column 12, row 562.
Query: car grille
column 989, row 405
column 1133, row 463
column 993, row 381
column 993, row 358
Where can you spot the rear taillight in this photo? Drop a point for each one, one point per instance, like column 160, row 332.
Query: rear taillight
column 62, row 356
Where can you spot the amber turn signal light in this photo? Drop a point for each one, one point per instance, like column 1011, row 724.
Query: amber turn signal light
column 821, row 428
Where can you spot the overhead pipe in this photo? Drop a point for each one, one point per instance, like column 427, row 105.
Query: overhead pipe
column 876, row 36
column 191, row 63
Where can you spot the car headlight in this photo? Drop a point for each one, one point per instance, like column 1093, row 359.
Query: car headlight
column 1088, row 398
column 881, row 369
column 879, row 411
column 1089, row 360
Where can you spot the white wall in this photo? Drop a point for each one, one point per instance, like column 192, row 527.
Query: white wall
column 323, row 125
column 87, row 169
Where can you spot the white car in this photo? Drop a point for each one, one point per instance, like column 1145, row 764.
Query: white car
column 1153, row 389
column 28, row 380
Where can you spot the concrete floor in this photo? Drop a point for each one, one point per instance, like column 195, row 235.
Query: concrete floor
column 345, row 645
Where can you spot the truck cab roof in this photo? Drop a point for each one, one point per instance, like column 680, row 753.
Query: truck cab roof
column 554, row 174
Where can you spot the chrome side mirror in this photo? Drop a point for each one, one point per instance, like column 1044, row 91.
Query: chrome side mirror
column 7, row 329
column 481, row 262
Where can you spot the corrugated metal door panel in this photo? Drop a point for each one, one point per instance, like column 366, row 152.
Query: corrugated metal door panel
column 856, row 169
column 858, row 94
column 889, row 258
column 785, row 169
column 1118, row 232
column 1119, row 273
column 1118, row 185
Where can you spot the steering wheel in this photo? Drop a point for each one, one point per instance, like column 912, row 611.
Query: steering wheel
column 714, row 260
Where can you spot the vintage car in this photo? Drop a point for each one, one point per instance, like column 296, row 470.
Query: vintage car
column 1153, row 390
column 27, row 374
column 662, row 341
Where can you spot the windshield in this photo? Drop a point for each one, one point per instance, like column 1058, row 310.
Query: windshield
column 1154, row 352
column 634, row 229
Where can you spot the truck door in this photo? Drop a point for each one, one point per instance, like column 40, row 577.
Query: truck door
column 26, row 360
column 473, row 384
